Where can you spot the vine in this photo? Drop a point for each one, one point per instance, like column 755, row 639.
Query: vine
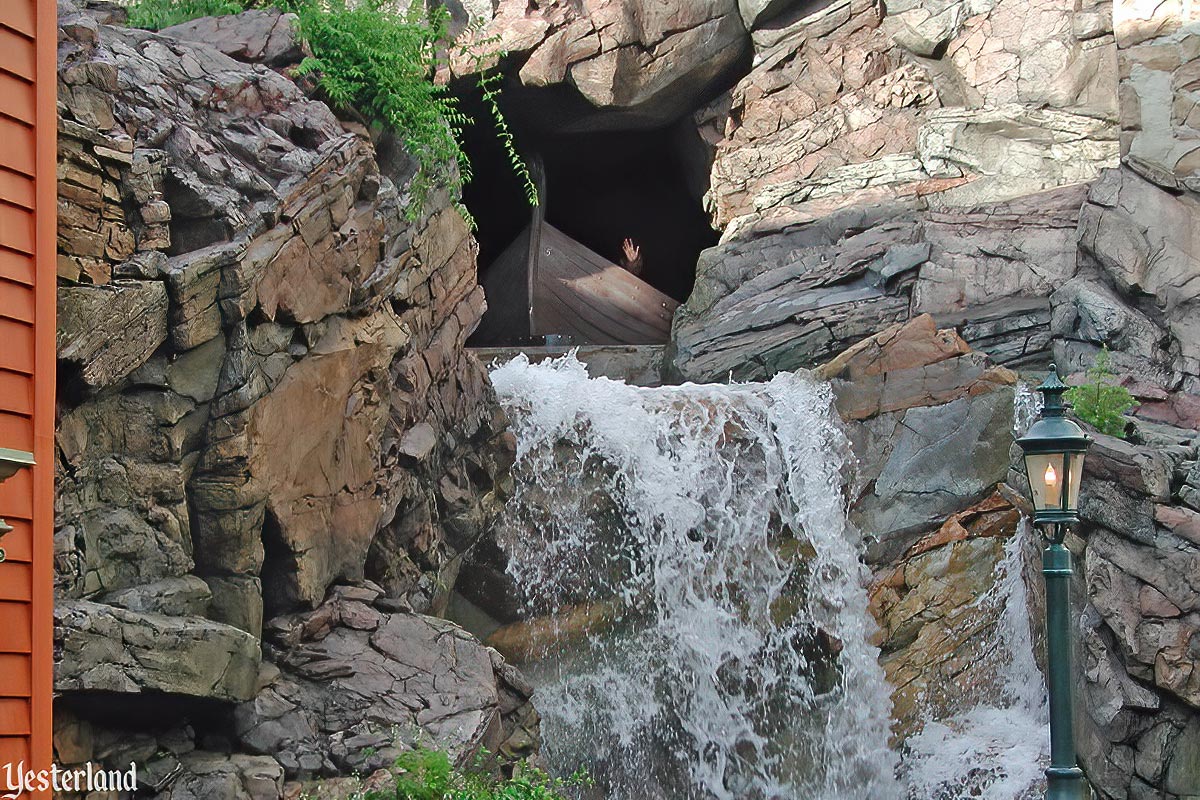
column 380, row 62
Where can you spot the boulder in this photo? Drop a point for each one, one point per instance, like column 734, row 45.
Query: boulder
column 908, row 365
column 793, row 299
column 930, row 425
column 1157, row 68
column 185, row 596
column 107, row 649
column 136, row 314
column 258, row 36
column 236, row 777
column 936, row 624
column 634, row 64
column 936, row 460
column 357, row 685
column 1146, row 242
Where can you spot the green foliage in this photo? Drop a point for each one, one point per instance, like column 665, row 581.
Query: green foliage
column 381, row 63
column 158, row 14
column 491, row 94
column 430, row 775
column 1100, row 402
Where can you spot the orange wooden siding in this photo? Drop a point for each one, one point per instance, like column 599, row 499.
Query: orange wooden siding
column 28, row 38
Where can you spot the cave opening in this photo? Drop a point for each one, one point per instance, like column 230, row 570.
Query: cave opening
column 599, row 187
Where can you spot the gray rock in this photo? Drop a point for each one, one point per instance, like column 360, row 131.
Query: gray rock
column 758, row 12
column 205, row 775
column 1143, row 239
column 237, row 600
column 793, row 299
column 1183, row 774
column 642, row 64
column 943, row 459
column 358, row 683
column 133, row 313
column 108, row 649
column 265, row 36
column 186, row 596
column 924, row 27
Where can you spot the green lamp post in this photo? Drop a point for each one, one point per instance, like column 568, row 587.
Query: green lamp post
column 1054, row 449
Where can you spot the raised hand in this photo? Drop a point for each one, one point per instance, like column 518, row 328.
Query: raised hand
column 632, row 251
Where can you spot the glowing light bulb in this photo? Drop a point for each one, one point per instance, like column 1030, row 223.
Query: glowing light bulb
column 1051, row 475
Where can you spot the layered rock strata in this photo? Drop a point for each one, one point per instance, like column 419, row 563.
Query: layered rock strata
column 263, row 393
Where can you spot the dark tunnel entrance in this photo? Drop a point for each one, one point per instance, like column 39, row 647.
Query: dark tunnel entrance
column 600, row 188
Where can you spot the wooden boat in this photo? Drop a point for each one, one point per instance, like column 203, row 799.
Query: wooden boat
column 546, row 284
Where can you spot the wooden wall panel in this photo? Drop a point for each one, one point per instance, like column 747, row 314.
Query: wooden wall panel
column 18, row 226
column 16, row 394
column 21, row 16
column 18, row 545
column 15, row 716
column 16, row 580
column 18, row 54
column 28, row 208
column 16, row 620
column 17, row 350
column 16, row 496
column 16, row 266
column 16, row 431
column 17, row 189
column 17, row 300
column 18, row 675
column 17, row 98
column 14, row 750
column 20, row 146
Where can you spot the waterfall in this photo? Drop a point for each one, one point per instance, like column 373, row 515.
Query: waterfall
column 1000, row 749
column 701, row 530
column 688, row 550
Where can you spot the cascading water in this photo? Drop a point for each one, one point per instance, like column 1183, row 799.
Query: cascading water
column 1000, row 749
column 708, row 523
column 713, row 636
column 997, row 750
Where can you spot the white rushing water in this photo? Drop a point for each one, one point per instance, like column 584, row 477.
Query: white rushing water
column 702, row 531
column 682, row 510
column 1000, row 749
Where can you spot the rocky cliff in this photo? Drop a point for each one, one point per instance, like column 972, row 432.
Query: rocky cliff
column 280, row 422
column 1025, row 173
column 266, row 412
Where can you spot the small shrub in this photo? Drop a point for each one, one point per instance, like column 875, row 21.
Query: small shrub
column 430, row 775
column 381, row 64
column 1100, row 402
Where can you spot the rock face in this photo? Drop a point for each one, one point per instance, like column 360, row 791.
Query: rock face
column 879, row 164
column 109, row 649
column 358, row 685
column 1139, row 556
column 263, row 392
column 930, row 424
column 1027, row 174
column 644, row 64
column 935, row 618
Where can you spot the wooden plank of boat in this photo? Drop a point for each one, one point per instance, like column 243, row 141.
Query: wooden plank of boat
column 506, row 287
column 580, row 293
